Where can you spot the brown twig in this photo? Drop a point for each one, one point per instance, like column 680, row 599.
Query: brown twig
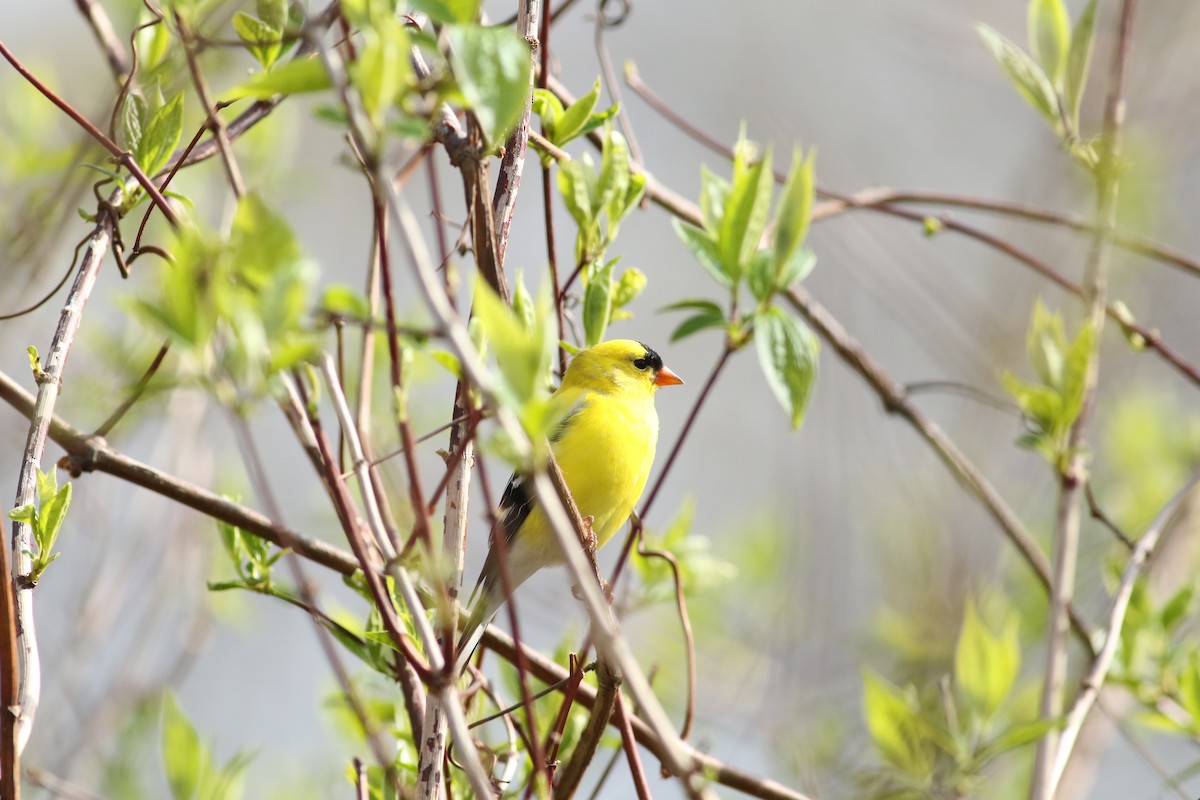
column 236, row 182
column 87, row 453
column 607, row 696
column 629, row 745
column 106, row 37
column 548, row 671
column 685, row 622
column 504, row 200
column 123, row 157
column 136, row 392
column 16, row 723
column 1098, row 672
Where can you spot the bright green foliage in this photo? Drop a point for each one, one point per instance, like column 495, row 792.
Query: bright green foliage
column 937, row 737
column 492, row 68
column 1049, row 36
column 561, row 125
column 986, row 664
column 250, row 555
column 1158, row 658
column 1052, row 404
column 263, row 40
column 699, row 570
column 188, row 761
column 732, row 247
column 445, row 12
column 524, row 355
column 1027, row 77
column 159, row 135
column 1052, row 79
column 599, row 200
column 382, row 72
column 294, row 77
column 1149, row 446
column 236, row 308
column 897, row 726
column 787, row 352
column 45, row 518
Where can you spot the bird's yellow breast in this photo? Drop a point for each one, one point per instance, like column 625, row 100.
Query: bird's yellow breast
column 605, row 452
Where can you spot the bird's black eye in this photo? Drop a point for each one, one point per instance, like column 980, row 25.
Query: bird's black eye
column 649, row 361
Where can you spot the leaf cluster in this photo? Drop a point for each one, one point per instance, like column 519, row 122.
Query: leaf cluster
column 1051, row 77
column 45, row 518
column 1052, row 403
column 741, row 245
column 937, row 742
column 235, row 307
column 599, row 198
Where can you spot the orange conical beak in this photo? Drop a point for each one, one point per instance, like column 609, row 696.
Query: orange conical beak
column 665, row 377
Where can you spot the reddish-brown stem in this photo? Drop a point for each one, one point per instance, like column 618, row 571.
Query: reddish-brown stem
column 136, row 393
column 214, row 123
column 685, row 623
column 636, row 772
column 122, row 156
column 499, row 545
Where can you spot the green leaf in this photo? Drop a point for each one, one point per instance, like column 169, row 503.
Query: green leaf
column 523, row 356
column 493, row 71
column 787, row 352
column 133, row 118
column 697, row 323
column 53, row 512
column 1049, row 35
column 1024, row 73
column 382, row 70
column 273, row 13
column 703, row 248
column 35, row 362
column 26, row 514
column 1075, row 375
column 160, row 136
column 797, row 268
column 522, row 303
column 761, row 276
column 549, row 108
column 795, row 210
column 597, row 302
column 344, row 301
column 448, row 12
column 629, row 286
column 571, row 123
column 1018, row 736
column 1045, row 343
column 614, row 180
column 986, row 665
column 47, row 485
column 186, row 758
column 262, row 39
column 746, row 210
column 294, row 77
column 1079, row 58
column 573, row 184
column 714, row 191
column 895, row 727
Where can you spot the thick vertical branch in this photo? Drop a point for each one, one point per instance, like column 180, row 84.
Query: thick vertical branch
column 17, row 718
column 504, row 202
column 1074, row 475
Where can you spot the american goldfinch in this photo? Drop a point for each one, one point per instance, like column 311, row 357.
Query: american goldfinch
column 604, row 446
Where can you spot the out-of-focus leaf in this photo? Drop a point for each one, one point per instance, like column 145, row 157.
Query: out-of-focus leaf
column 493, row 70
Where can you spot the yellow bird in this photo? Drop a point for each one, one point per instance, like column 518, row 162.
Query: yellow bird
column 605, row 447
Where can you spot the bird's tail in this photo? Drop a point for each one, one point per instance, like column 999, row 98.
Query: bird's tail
column 483, row 610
